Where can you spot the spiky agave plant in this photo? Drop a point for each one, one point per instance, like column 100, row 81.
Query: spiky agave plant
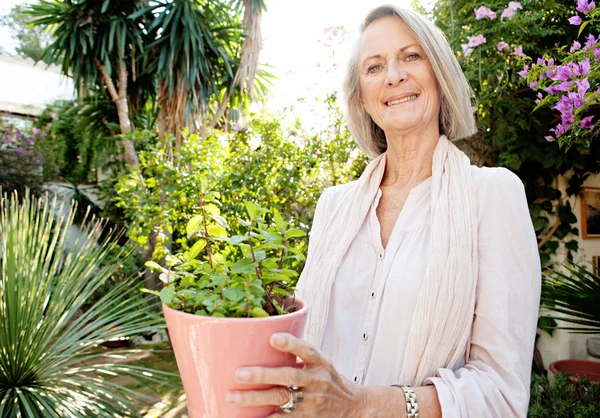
column 50, row 365
column 575, row 293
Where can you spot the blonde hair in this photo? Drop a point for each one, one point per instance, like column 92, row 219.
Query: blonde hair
column 456, row 116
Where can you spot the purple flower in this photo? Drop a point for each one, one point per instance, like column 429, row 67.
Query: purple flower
column 484, row 12
column 575, row 20
column 510, row 11
column 541, row 61
column 586, row 123
column 523, row 73
column 585, row 6
column 559, row 130
column 476, row 40
column 549, row 139
column 576, row 47
column 582, row 68
column 466, row 49
column 552, row 90
column 562, row 74
column 596, row 54
column 590, row 42
column 502, row 46
column 518, row 52
column 582, row 86
column 533, row 85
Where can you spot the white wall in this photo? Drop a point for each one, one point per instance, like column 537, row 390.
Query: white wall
column 26, row 87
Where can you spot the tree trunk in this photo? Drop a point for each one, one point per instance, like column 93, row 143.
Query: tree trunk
column 119, row 98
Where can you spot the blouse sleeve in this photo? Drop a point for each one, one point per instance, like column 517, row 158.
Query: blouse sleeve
column 317, row 225
column 495, row 380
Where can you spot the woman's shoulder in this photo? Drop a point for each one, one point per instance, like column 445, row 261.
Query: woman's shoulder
column 335, row 193
column 495, row 179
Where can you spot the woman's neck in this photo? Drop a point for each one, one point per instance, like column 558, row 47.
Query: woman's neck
column 409, row 159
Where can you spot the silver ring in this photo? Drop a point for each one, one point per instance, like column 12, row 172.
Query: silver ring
column 296, row 397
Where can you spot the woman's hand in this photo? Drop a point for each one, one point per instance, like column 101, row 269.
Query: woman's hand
column 326, row 392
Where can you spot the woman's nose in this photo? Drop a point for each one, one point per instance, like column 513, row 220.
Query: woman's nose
column 395, row 74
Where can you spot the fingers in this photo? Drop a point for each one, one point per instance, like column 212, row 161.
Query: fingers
column 290, row 344
column 276, row 396
column 283, row 376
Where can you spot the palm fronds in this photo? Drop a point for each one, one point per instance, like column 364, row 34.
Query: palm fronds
column 575, row 293
column 50, row 365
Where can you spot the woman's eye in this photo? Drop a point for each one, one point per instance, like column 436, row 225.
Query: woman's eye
column 413, row 57
column 374, row 68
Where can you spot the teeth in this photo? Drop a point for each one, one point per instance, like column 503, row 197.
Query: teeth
column 404, row 100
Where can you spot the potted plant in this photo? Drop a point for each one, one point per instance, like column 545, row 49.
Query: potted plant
column 576, row 295
column 224, row 296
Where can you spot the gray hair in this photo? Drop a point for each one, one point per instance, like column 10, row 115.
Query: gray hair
column 456, row 116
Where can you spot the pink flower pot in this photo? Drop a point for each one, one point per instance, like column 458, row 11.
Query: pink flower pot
column 209, row 350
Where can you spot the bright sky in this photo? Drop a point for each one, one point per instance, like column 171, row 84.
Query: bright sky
column 291, row 31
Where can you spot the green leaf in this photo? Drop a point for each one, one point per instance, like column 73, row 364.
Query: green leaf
column 193, row 224
column 279, row 222
column 234, row 294
column 582, row 27
column 167, row 294
column 216, row 231
column 212, row 209
column 252, row 210
column 196, row 248
column 294, row 233
column 243, row 266
column 236, row 239
column 258, row 313
column 152, row 265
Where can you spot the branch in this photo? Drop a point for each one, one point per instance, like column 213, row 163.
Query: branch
column 550, row 234
column 220, row 111
column 108, row 82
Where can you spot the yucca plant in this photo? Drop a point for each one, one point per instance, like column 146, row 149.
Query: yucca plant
column 575, row 293
column 50, row 362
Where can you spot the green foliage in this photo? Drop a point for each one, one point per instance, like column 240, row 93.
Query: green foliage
column 50, row 365
column 261, row 161
column 229, row 275
column 562, row 398
column 510, row 135
column 575, row 293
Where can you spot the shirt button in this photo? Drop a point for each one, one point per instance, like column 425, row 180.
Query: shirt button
column 381, row 256
column 356, row 379
column 373, row 295
column 365, row 336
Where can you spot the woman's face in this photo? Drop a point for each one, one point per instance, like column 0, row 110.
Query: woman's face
column 398, row 87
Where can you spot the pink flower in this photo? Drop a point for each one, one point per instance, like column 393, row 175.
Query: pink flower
column 518, row 52
column 533, row 85
column 586, row 123
column 550, row 138
column 585, row 7
column 502, row 46
column 576, row 47
column 484, row 12
column 510, row 11
column 466, row 49
column 575, row 20
column 476, row 40
column 597, row 54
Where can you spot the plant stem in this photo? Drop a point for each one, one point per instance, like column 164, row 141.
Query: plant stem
column 282, row 254
column 208, row 252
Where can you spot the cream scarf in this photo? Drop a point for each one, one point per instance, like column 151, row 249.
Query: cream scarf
column 440, row 330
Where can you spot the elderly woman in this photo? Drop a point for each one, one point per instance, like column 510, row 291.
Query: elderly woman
column 422, row 277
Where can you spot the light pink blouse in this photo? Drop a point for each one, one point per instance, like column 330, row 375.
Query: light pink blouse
column 375, row 292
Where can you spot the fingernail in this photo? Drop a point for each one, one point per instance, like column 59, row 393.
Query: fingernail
column 243, row 375
column 279, row 339
column 233, row 397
